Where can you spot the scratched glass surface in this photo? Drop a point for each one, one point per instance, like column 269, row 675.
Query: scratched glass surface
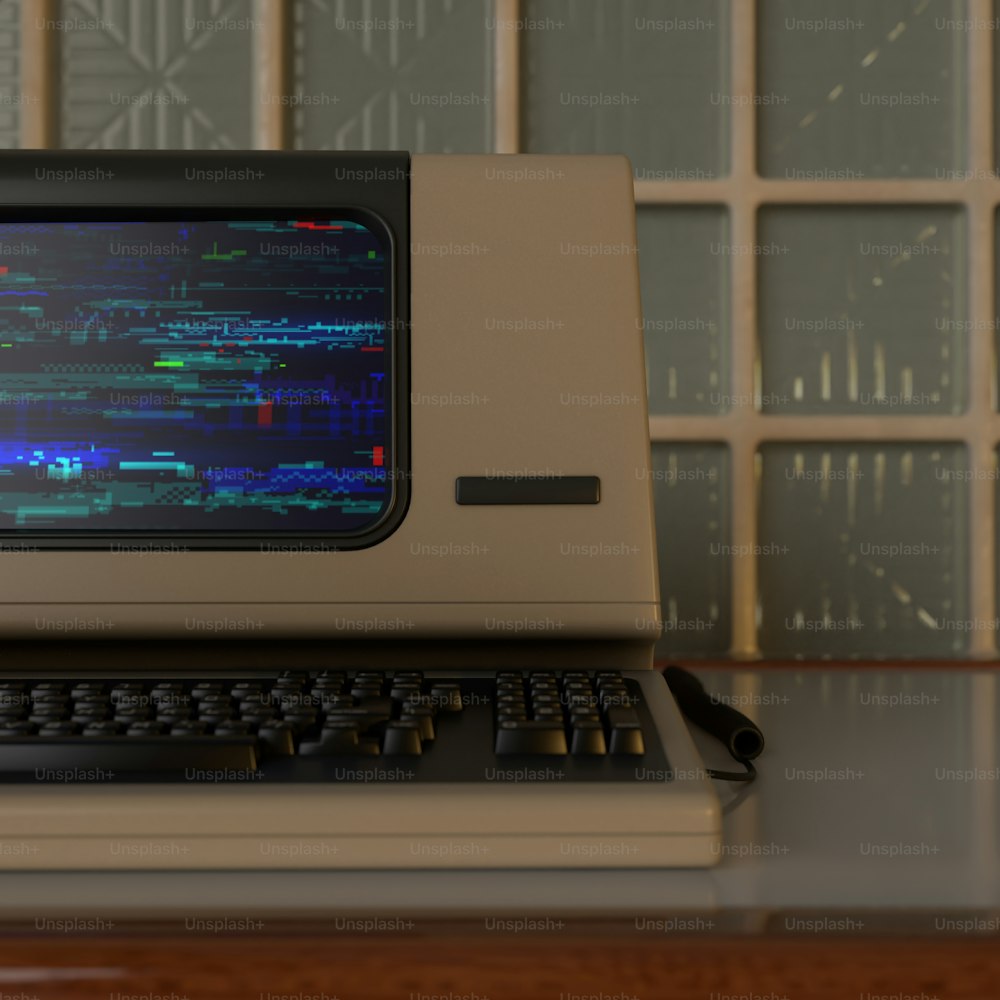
column 863, row 550
column 862, row 309
column 849, row 89
column 691, row 488
column 684, row 273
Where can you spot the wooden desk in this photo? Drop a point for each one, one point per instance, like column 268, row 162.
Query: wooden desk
column 464, row 961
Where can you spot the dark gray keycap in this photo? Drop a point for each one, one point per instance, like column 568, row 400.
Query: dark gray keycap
column 447, row 697
column 588, row 738
column 533, row 736
column 337, row 740
column 423, row 716
column 402, row 737
column 276, row 739
column 124, row 753
column 105, row 728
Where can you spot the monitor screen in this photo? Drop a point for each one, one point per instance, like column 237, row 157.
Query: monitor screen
column 209, row 377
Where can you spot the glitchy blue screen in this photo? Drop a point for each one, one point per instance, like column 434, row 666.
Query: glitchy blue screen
column 201, row 376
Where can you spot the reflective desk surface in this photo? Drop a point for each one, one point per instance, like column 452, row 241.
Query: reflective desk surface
column 879, row 790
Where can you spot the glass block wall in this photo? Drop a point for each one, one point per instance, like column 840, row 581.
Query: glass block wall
column 817, row 188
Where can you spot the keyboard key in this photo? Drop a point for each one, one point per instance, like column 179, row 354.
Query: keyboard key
column 327, row 682
column 588, row 738
column 49, row 698
column 531, row 737
column 90, row 713
column 215, row 710
column 48, row 687
column 360, row 716
column 168, row 692
column 621, row 716
column 219, row 698
column 173, row 714
column 376, row 706
column 87, row 687
column 627, row 740
column 133, row 689
column 89, row 699
column 48, row 713
column 447, row 697
column 127, row 701
column 295, row 700
column 206, row 687
column 123, row 753
column 301, row 720
column 340, row 739
column 507, row 712
column 23, row 728
column 276, row 739
column 130, row 715
column 189, row 727
column 401, row 691
column 107, row 728
column 245, row 689
column 231, row 727
column 548, row 712
column 146, row 728
column 423, row 716
column 334, row 701
column 402, row 737
column 59, row 729
column 625, row 731
column 611, row 699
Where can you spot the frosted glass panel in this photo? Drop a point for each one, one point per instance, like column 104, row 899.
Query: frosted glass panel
column 691, row 493
column 684, row 271
column 648, row 78
column 850, row 88
column 863, row 310
column 864, row 550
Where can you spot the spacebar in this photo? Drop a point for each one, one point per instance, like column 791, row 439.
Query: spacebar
column 79, row 754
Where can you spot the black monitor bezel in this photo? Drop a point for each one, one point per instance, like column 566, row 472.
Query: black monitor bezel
column 386, row 217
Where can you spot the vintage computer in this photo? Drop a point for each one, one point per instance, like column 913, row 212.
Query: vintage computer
column 325, row 518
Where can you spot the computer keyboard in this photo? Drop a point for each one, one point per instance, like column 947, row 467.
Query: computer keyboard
column 334, row 725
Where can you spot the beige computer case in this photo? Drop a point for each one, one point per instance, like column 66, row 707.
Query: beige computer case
column 527, row 361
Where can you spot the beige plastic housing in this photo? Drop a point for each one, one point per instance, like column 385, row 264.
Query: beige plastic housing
column 526, row 360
